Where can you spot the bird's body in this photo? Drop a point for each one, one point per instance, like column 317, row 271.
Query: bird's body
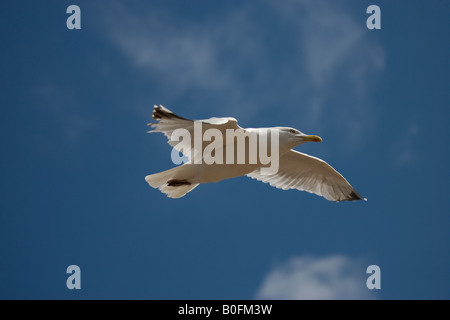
column 293, row 170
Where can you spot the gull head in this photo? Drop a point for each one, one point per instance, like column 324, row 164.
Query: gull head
column 294, row 137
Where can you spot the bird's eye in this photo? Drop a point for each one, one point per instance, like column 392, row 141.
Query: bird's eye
column 292, row 131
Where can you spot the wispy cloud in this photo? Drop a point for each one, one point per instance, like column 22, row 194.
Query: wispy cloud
column 301, row 278
column 184, row 57
column 342, row 60
column 182, row 54
column 315, row 60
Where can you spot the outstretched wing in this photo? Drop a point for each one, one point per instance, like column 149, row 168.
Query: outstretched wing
column 168, row 122
column 303, row 172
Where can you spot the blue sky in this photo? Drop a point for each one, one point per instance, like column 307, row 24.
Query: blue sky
column 74, row 109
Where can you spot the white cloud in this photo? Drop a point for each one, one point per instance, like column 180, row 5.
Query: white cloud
column 342, row 59
column 322, row 76
column 302, row 278
column 183, row 54
column 183, row 57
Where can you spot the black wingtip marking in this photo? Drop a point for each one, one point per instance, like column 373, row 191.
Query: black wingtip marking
column 160, row 113
column 178, row 183
column 354, row 196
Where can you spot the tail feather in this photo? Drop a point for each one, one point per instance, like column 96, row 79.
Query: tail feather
column 164, row 181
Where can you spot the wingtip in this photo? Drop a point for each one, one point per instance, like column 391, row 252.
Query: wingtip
column 160, row 112
column 355, row 196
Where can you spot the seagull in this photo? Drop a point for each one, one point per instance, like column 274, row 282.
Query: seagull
column 296, row 170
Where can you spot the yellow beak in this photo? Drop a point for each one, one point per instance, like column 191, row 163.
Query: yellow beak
column 312, row 138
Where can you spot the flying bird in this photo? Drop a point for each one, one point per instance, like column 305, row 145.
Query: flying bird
column 296, row 170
